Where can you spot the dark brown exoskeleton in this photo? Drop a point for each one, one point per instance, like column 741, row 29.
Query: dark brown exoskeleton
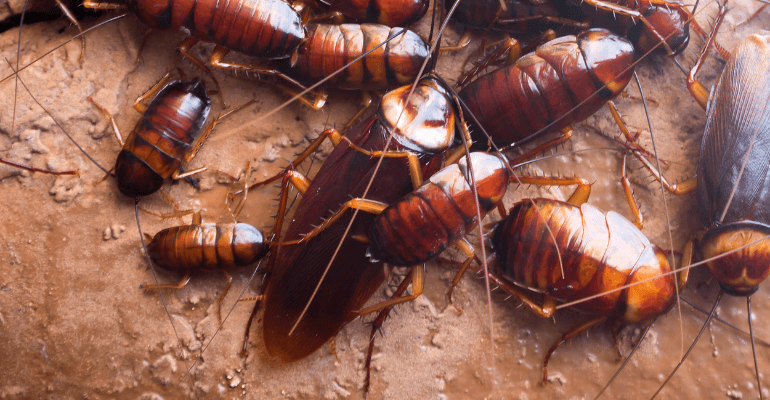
column 567, row 251
column 165, row 136
column 205, row 247
column 386, row 12
column 732, row 181
column 562, row 82
column 312, row 290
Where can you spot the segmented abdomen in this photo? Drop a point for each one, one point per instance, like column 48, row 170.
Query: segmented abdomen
column 425, row 222
column 161, row 139
column 330, row 47
column 259, row 28
column 207, row 246
column 541, row 89
column 481, row 14
column 599, row 252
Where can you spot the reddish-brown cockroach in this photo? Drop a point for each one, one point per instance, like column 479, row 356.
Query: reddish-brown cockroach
column 597, row 252
column 297, row 321
column 205, row 247
column 265, row 29
column 551, row 88
column 168, row 134
column 275, row 30
column 647, row 24
column 732, row 182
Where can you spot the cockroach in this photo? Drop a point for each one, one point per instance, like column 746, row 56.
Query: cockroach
column 297, row 321
column 169, row 133
column 205, row 247
column 551, row 88
column 732, row 181
column 647, row 24
column 418, row 227
column 267, row 29
column 594, row 252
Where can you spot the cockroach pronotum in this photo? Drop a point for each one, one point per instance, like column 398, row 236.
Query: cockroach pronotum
column 598, row 252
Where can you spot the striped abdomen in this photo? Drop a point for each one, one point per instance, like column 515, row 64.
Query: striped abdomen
column 160, row 140
column 259, row 28
column 330, row 47
column 545, row 86
column 425, row 222
column 599, row 252
column 207, row 246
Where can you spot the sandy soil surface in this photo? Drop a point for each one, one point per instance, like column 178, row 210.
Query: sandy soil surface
column 74, row 322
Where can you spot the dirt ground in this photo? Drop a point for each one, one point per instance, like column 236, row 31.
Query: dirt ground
column 74, row 322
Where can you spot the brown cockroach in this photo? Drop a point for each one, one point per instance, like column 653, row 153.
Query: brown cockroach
column 411, row 231
column 551, row 88
column 597, row 252
column 296, row 321
column 165, row 136
column 732, row 177
column 205, row 247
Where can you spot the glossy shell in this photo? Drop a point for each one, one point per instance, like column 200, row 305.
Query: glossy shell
column 734, row 167
column 259, row 28
column 424, row 223
column 599, row 251
column 207, row 246
column 154, row 150
column 538, row 92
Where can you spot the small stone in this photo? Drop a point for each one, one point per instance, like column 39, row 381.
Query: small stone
column 163, row 369
column 438, row 340
column 557, row 377
column 116, row 230
column 235, row 381
column 734, row 394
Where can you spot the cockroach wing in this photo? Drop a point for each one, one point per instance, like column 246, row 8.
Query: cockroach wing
column 733, row 179
column 352, row 277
